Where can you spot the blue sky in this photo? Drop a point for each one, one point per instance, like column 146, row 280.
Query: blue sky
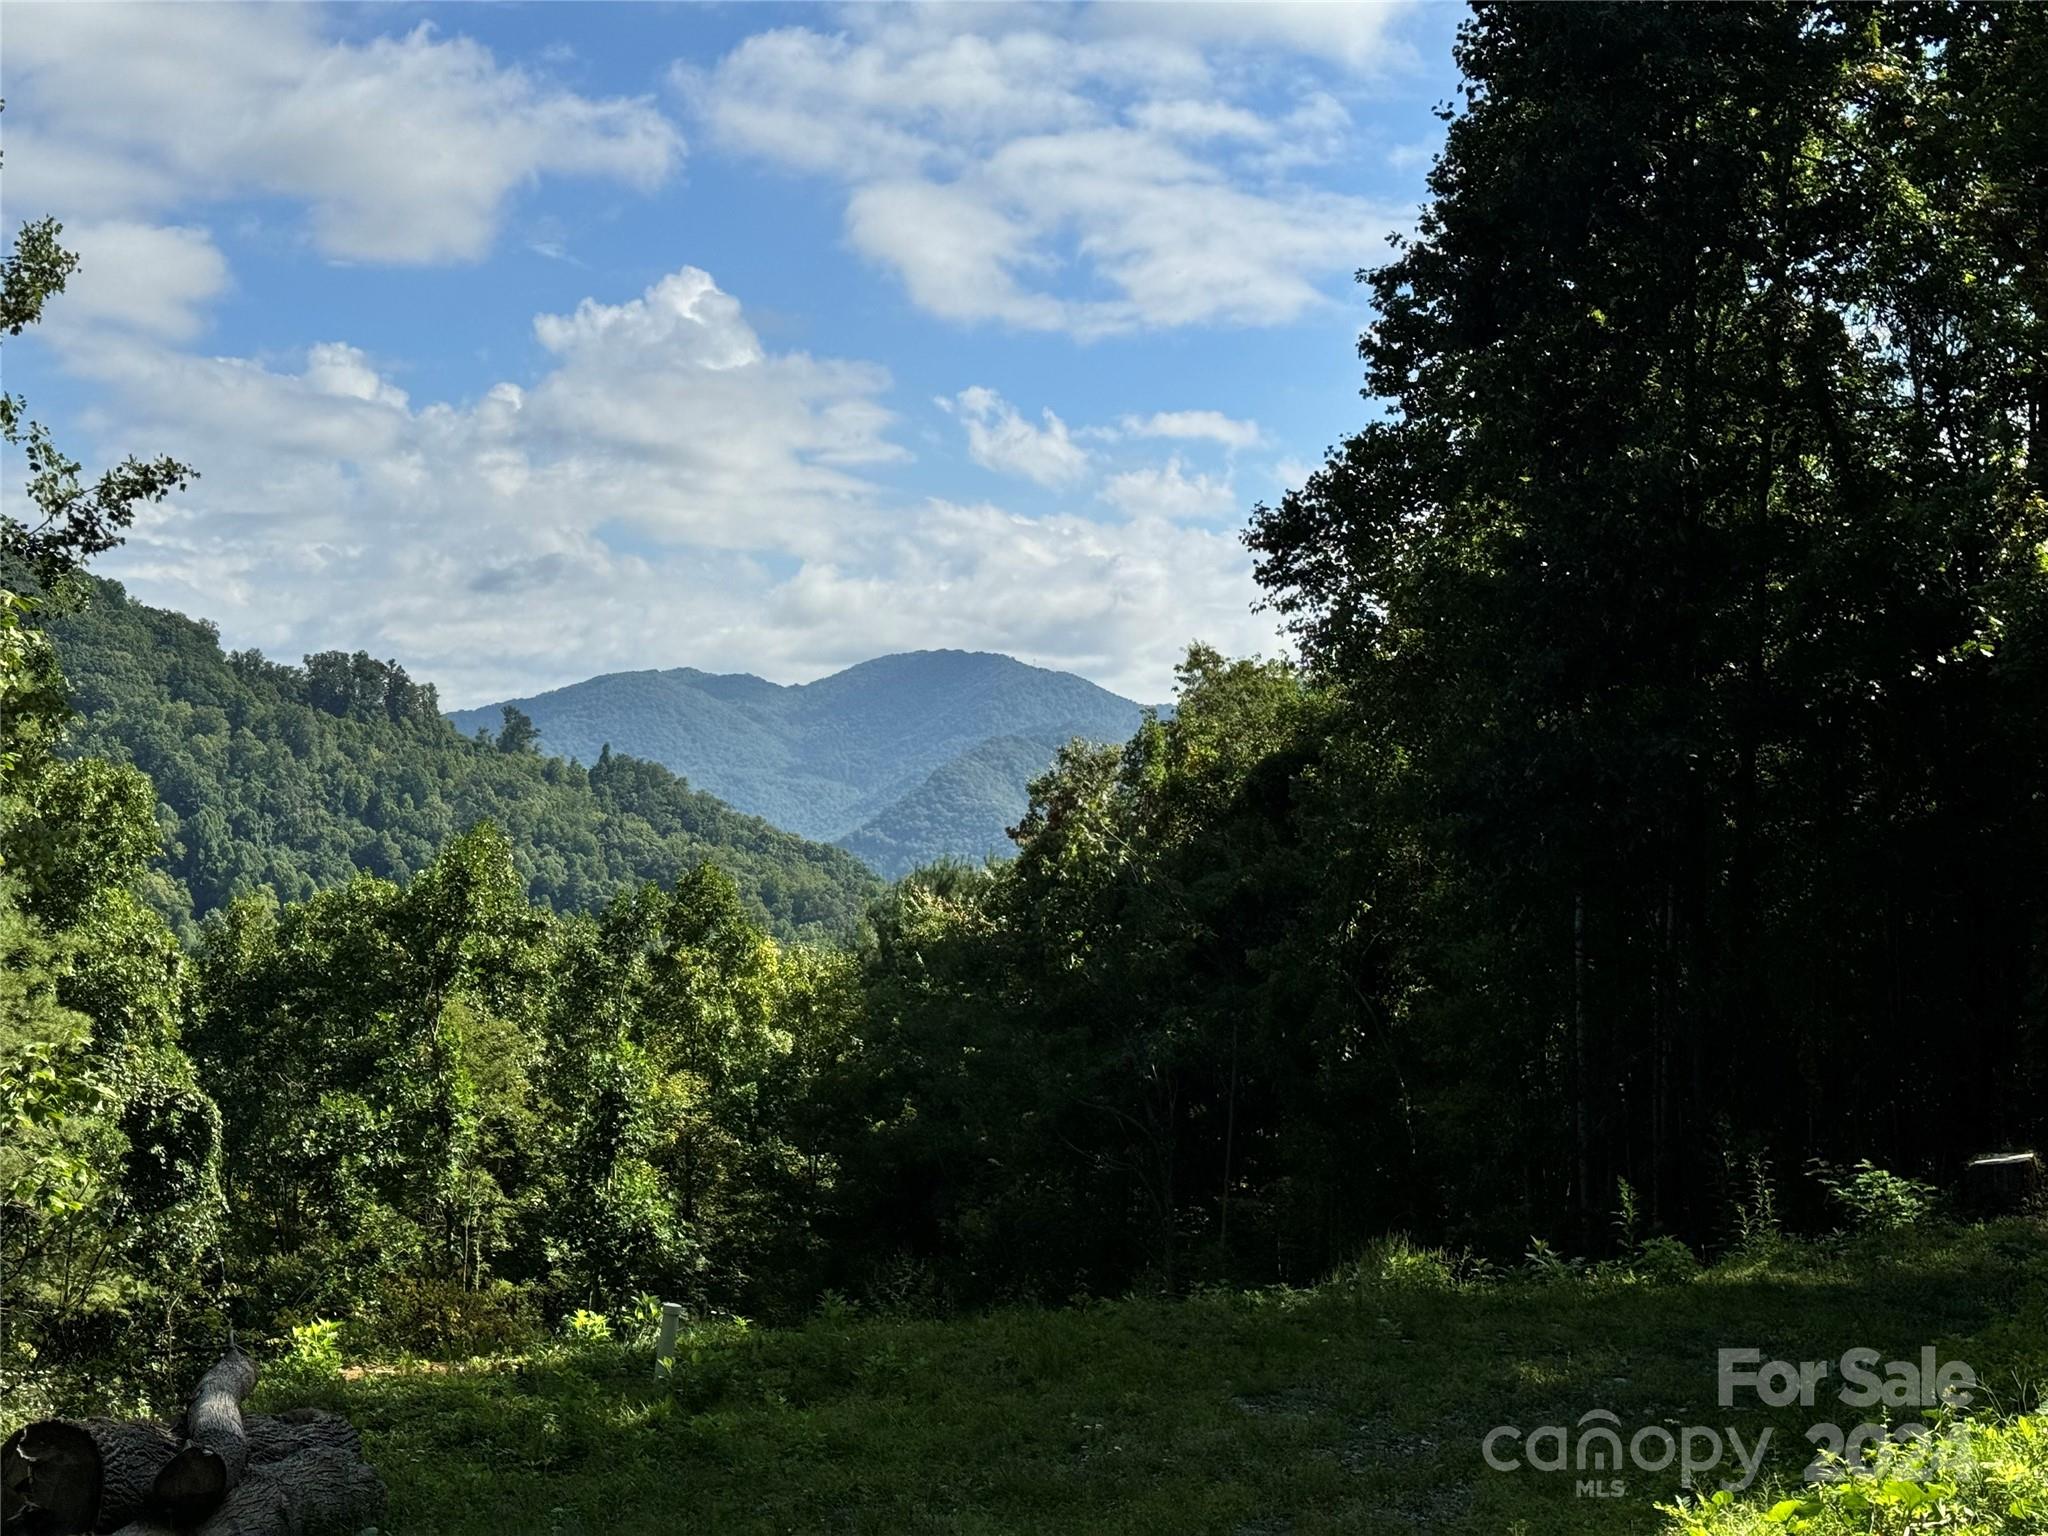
column 524, row 343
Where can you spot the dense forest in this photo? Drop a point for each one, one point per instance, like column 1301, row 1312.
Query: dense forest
column 963, row 810
column 292, row 779
column 904, row 760
column 1659, row 804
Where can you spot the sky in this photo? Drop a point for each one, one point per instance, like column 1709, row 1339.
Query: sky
column 525, row 343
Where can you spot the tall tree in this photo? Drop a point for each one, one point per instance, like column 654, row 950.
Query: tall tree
column 1689, row 568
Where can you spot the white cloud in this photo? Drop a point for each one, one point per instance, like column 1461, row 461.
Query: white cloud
column 1089, row 183
column 402, row 149
column 337, row 369
column 668, row 490
column 155, row 278
column 1211, row 425
column 1353, row 33
column 1000, row 439
column 1117, row 602
column 1168, row 492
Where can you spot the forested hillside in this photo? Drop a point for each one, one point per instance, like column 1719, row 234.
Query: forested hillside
column 1642, row 863
column 292, row 779
column 963, row 810
column 828, row 758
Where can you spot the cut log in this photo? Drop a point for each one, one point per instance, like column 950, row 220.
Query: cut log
column 128, row 1454
column 299, row 1473
column 325, row 1491
column 50, row 1473
column 2005, row 1184
column 195, row 1482
column 132, row 1452
column 273, row 1438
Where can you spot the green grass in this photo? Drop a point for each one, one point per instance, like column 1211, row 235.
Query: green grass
column 1359, row 1407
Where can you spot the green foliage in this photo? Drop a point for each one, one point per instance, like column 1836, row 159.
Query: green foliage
column 1663, row 1260
column 109, row 1152
column 1689, row 583
column 443, row 1319
column 1397, row 1263
column 1752, row 1203
column 451, row 1110
column 292, row 780
column 1130, row 1056
column 1979, row 1477
column 1543, row 1262
column 1333, row 1409
column 1871, row 1199
column 903, row 759
column 309, row 1361
column 46, row 1096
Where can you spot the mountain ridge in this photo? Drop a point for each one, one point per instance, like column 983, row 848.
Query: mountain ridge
column 296, row 778
column 886, row 755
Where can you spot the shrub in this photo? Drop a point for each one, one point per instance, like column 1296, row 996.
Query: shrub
column 1873, row 1199
column 310, row 1362
column 1395, row 1262
column 1975, row 1477
column 443, row 1320
column 1663, row 1261
column 1543, row 1262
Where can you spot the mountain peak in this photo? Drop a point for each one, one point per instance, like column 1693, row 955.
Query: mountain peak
column 826, row 758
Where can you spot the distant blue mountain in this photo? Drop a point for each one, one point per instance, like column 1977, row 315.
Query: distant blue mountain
column 901, row 760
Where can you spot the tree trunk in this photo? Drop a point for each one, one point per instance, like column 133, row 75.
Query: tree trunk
column 300, row 1473
column 51, row 1472
column 193, row 1484
column 82, row 1474
column 325, row 1490
column 1581, row 1162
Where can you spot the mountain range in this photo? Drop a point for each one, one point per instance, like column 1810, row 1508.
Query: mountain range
column 295, row 779
column 900, row 760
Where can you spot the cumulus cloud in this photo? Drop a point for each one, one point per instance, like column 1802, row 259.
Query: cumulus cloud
column 1093, row 183
column 1355, row 34
column 1169, row 492
column 1118, row 602
column 155, row 278
column 999, row 438
column 1212, row 425
column 400, row 149
column 667, row 490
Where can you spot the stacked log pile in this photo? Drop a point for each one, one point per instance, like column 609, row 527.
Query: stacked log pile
column 216, row 1473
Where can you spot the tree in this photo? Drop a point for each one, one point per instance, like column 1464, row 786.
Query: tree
column 1686, row 575
column 71, row 519
column 110, row 1172
column 519, row 733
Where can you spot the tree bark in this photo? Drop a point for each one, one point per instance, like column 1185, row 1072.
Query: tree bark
column 299, row 1430
column 58, row 1481
column 300, row 1473
column 50, row 1472
column 322, row 1491
column 193, row 1484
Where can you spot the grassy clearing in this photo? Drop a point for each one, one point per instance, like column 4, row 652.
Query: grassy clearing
column 1359, row 1407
